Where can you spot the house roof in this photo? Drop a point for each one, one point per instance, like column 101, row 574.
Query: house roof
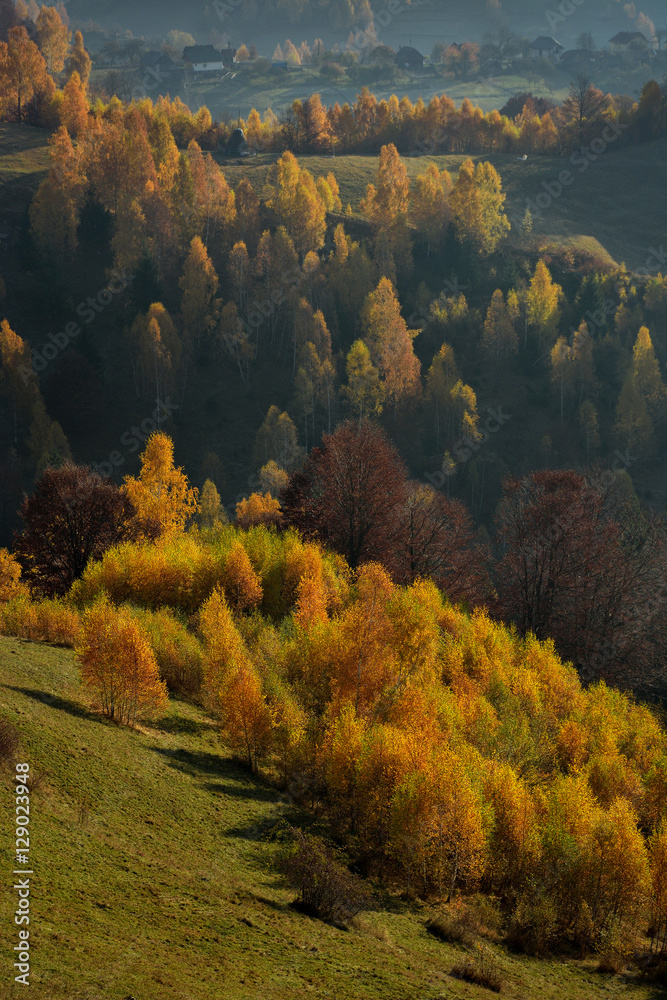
column 201, row 54
column 161, row 59
column 406, row 52
column 546, row 42
column 625, row 37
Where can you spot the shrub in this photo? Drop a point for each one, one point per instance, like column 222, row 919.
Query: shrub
column 9, row 741
column 178, row 653
column 484, row 914
column 35, row 780
column 18, row 617
column 58, row 622
column 450, row 927
column 482, row 969
column 179, row 573
column 465, row 919
column 615, row 948
column 380, row 933
column 49, row 620
column 326, row 888
column 533, row 925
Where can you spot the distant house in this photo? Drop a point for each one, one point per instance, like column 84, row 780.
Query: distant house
column 203, row 59
column 228, row 56
column 546, row 47
column 625, row 42
column 160, row 67
column 237, row 144
column 409, row 58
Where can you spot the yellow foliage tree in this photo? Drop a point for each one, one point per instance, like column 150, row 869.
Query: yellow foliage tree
column 79, row 61
column 439, row 831
column 477, row 207
column 272, row 478
column 364, row 391
column 199, row 283
column 10, row 574
column 298, row 205
column 243, row 588
column 658, row 894
column 224, row 649
column 211, row 511
column 542, row 298
column 52, row 38
column 161, row 494
column 311, row 601
column 388, row 197
column 391, row 343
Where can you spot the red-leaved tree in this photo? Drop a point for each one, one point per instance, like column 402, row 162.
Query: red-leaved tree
column 436, row 540
column 72, row 516
column 582, row 564
column 349, row 493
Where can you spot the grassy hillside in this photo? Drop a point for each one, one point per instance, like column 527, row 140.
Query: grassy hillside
column 24, row 160
column 615, row 202
column 613, row 208
column 153, row 878
column 278, row 90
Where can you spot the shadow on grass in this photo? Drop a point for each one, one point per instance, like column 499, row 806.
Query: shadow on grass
column 259, row 793
column 242, row 784
column 62, row 704
column 178, row 725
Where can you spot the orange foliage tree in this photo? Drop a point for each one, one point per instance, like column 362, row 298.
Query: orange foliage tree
column 247, row 716
column 243, row 587
column 258, row 509
column 439, row 828
column 117, row 662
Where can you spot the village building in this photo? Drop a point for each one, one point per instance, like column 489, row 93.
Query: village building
column 409, row 58
column 546, row 47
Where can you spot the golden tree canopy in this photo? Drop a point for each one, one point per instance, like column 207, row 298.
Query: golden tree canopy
column 162, row 492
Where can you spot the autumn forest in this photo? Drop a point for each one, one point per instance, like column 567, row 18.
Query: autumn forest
column 352, row 460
